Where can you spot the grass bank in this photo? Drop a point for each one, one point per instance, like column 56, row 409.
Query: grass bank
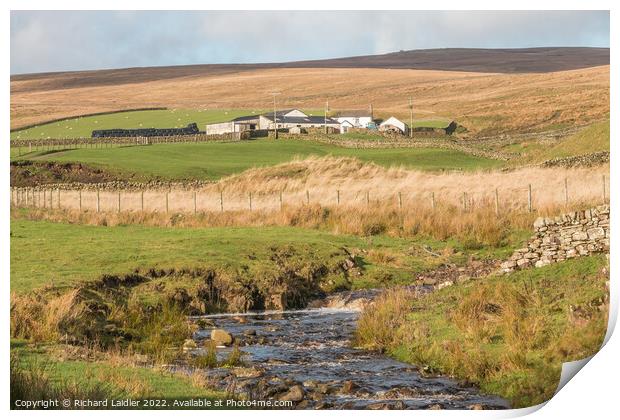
column 507, row 334
column 43, row 372
column 216, row 160
column 44, row 252
column 591, row 139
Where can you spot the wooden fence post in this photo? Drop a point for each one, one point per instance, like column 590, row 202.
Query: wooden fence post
column 221, row 200
column 338, row 197
column 250, row 198
column 281, row 204
column 51, row 199
column 496, row 202
column 464, row 201
column 44, row 198
column 433, row 204
column 29, row 147
column 529, row 197
column 400, row 201
column 166, row 201
column 367, row 198
column 566, row 191
column 98, row 208
column 194, row 202
column 59, row 198
column 307, row 197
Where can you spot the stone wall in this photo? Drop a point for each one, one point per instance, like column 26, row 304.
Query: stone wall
column 592, row 159
column 559, row 238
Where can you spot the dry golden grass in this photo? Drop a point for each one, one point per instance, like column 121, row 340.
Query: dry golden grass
column 359, row 186
column 479, row 101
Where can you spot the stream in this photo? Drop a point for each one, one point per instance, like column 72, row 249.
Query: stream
column 311, row 350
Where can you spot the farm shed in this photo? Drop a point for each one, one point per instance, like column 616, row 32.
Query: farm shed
column 237, row 125
column 393, row 124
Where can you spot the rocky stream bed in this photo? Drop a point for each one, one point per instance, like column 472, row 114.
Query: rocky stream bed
column 306, row 356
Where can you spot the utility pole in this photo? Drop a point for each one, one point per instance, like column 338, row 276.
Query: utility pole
column 411, row 117
column 326, row 111
column 275, row 121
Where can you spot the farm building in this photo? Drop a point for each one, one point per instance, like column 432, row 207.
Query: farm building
column 294, row 118
column 289, row 118
column 353, row 119
column 237, row 125
column 393, row 124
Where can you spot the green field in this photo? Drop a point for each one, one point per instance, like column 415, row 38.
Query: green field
column 591, row 139
column 215, row 160
column 168, row 118
column 103, row 379
column 63, row 254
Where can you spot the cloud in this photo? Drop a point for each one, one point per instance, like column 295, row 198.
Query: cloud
column 78, row 40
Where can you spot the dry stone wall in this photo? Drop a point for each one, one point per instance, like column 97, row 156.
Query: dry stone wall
column 557, row 239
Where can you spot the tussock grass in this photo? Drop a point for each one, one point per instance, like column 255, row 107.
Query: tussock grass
column 30, row 381
column 508, row 334
column 39, row 372
column 477, row 226
column 375, row 329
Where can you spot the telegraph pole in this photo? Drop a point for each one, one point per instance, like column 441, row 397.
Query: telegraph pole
column 275, row 121
column 326, row 111
column 411, row 117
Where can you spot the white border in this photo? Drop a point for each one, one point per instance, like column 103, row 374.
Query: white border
column 592, row 394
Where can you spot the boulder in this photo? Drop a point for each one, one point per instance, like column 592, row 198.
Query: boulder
column 189, row 344
column 221, row 337
column 348, row 387
column 295, row 393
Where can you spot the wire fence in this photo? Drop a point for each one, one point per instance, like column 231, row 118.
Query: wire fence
column 525, row 198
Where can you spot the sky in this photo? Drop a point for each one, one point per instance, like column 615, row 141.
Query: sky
column 43, row 41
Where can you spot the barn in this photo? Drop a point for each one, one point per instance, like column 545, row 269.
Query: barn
column 393, row 124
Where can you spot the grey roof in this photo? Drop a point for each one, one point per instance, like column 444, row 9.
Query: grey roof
column 355, row 114
column 246, row 118
column 302, row 120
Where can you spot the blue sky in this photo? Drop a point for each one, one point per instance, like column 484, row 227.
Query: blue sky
column 84, row 40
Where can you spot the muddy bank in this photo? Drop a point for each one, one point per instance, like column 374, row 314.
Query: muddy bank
column 27, row 173
column 107, row 309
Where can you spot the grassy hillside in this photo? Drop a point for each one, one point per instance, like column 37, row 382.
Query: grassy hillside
column 594, row 138
column 507, row 334
column 215, row 160
column 482, row 102
column 169, row 118
column 591, row 139
column 82, row 127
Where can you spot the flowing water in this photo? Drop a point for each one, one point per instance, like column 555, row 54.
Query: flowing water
column 312, row 348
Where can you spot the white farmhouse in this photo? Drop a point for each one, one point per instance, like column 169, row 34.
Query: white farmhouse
column 353, row 119
column 394, row 124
